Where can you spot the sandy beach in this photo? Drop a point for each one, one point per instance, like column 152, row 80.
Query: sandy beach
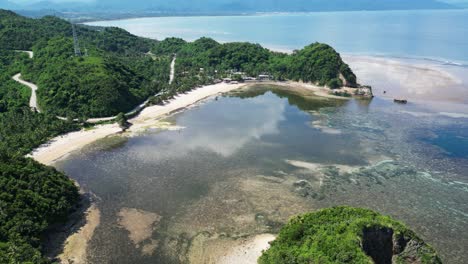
column 317, row 90
column 61, row 146
column 248, row 251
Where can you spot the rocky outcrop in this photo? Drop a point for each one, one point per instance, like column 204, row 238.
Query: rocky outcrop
column 377, row 242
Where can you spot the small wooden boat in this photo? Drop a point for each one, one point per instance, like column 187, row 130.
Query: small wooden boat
column 400, row 101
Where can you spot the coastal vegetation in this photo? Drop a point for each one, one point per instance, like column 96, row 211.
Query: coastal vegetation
column 32, row 197
column 347, row 235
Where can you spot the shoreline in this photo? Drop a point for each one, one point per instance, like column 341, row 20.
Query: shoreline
column 91, row 20
column 63, row 145
column 365, row 66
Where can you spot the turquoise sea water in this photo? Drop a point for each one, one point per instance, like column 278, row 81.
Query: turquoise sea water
column 432, row 34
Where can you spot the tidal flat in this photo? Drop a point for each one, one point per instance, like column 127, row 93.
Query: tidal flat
column 247, row 161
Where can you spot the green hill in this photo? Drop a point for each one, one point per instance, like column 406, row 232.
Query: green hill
column 347, row 235
column 116, row 75
column 317, row 63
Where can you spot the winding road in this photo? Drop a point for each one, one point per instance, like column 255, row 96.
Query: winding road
column 33, row 87
column 33, row 100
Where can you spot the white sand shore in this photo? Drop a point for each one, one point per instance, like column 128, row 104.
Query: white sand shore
column 318, row 90
column 153, row 113
column 249, row 251
column 61, row 146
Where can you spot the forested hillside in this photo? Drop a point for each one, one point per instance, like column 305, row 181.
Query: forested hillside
column 317, row 63
column 114, row 76
column 32, row 196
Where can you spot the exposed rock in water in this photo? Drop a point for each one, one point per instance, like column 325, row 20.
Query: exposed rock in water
column 140, row 226
column 304, row 188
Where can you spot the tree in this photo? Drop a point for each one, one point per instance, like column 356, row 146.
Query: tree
column 335, row 83
column 122, row 120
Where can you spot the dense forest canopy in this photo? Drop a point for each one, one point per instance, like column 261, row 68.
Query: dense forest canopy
column 32, row 196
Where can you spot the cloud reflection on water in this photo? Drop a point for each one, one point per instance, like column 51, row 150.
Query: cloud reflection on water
column 259, row 118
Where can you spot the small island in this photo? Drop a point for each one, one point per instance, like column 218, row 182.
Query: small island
column 347, row 235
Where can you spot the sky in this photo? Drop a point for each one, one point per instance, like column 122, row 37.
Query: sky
column 87, row 1
column 239, row 4
column 56, row 1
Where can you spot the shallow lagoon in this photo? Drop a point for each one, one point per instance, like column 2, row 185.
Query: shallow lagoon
column 247, row 161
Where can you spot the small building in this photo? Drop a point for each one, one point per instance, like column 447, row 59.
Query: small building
column 248, row 78
column 264, row 77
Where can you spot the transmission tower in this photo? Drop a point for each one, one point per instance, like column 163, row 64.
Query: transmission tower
column 75, row 42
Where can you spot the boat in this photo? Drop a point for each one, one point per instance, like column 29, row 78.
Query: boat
column 400, row 101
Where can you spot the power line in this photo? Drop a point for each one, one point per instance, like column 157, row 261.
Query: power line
column 76, row 44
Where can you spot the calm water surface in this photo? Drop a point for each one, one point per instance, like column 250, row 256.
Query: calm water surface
column 233, row 171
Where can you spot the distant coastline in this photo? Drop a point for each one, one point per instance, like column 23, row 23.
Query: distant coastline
column 87, row 17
